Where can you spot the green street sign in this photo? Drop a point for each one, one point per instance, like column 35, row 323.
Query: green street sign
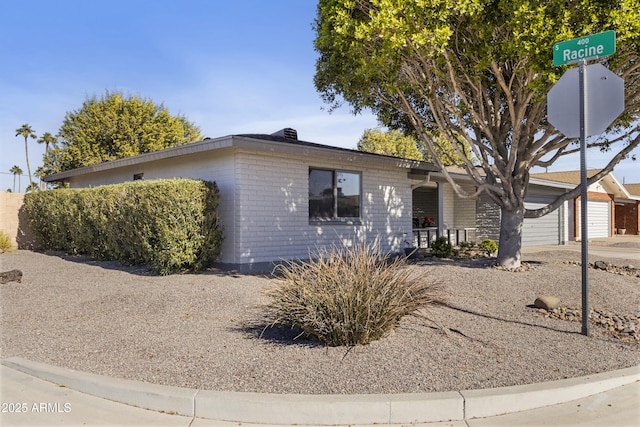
column 587, row 47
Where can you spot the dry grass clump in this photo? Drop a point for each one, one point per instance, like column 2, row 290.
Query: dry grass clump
column 6, row 243
column 350, row 296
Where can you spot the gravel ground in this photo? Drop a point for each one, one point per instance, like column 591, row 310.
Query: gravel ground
column 204, row 330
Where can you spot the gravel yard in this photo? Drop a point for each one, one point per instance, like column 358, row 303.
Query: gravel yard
column 204, row 330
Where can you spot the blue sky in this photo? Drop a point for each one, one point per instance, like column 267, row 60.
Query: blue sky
column 242, row 66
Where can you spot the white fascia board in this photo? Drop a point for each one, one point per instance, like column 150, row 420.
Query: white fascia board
column 552, row 184
column 619, row 190
column 439, row 176
column 196, row 147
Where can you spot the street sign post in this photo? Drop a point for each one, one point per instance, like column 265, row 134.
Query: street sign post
column 592, row 88
column 588, row 47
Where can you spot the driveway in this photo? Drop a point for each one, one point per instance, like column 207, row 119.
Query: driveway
column 620, row 247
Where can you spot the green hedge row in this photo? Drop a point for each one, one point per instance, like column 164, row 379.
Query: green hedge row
column 169, row 225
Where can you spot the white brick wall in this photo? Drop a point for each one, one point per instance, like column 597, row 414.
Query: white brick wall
column 272, row 215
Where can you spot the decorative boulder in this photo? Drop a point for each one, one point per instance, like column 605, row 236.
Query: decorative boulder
column 601, row 265
column 547, row 302
column 11, row 276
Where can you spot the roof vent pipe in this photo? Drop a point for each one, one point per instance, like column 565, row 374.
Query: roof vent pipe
column 287, row 133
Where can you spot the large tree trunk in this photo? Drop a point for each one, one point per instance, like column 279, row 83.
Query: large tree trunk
column 510, row 243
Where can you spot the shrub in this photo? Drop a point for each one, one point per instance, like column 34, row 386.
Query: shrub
column 169, row 225
column 441, row 248
column 467, row 246
column 489, row 246
column 6, row 242
column 349, row 296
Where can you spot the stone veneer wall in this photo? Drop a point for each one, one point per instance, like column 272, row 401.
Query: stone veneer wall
column 487, row 219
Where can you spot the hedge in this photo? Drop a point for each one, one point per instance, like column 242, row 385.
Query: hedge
column 169, row 225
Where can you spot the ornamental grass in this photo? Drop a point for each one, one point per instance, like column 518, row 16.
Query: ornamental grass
column 5, row 242
column 350, row 296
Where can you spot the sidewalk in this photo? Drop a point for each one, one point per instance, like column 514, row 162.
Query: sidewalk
column 52, row 396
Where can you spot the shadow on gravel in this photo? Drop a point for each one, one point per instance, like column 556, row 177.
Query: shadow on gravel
column 142, row 270
column 487, row 316
column 480, row 263
column 278, row 334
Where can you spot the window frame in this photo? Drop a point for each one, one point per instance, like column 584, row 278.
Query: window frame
column 335, row 219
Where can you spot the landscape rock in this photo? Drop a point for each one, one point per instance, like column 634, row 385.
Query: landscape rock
column 11, row 276
column 623, row 327
column 547, row 302
column 627, row 270
column 601, row 265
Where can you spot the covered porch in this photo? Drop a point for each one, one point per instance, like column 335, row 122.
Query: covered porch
column 439, row 211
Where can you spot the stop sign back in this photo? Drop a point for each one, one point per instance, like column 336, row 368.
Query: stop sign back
column 604, row 101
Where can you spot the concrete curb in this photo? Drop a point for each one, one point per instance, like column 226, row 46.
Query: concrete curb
column 328, row 409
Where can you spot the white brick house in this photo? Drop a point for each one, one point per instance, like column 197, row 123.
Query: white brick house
column 281, row 198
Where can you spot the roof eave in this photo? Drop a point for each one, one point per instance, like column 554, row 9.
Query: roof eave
column 252, row 143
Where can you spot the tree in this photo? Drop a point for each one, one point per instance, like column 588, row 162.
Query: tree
column 47, row 139
column 114, row 127
column 16, row 171
column 32, row 188
column 476, row 72
column 26, row 132
column 395, row 143
column 392, row 143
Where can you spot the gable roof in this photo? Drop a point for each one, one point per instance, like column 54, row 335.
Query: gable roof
column 258, row 142
column 609, row 181
column 568, row 177
column 633, row 189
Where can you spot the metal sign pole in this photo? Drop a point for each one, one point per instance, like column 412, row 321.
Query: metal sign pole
column 583, row 199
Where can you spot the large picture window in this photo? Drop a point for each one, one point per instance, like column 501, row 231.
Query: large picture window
column 334, row 194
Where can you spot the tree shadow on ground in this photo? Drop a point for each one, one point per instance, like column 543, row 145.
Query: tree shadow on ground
column 476, row 263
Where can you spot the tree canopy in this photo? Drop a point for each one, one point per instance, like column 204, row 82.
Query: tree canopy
column 392, row 143
column 476, row 72
column 395, row 143
column 114, row 127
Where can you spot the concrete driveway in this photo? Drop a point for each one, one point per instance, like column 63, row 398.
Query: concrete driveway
column 620, row 247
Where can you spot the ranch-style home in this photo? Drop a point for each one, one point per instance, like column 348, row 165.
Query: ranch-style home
column 283, row 198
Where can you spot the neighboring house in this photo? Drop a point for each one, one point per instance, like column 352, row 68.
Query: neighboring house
column 627, row 215
column 281, row 198
column 610, row 206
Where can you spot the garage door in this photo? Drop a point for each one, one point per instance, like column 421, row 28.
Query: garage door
column 598, row 219
column 541, row 231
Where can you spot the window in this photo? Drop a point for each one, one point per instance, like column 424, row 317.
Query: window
column 334, row 194
column 138, row 176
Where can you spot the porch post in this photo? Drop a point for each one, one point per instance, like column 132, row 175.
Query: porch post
column 440, row 187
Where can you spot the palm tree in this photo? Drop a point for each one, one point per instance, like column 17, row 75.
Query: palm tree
column 41, row 172
column 15, row 170
column 47, row 139
column 27, row 132
column 32, row 188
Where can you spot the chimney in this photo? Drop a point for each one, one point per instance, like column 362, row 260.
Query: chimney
column 287, row 133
